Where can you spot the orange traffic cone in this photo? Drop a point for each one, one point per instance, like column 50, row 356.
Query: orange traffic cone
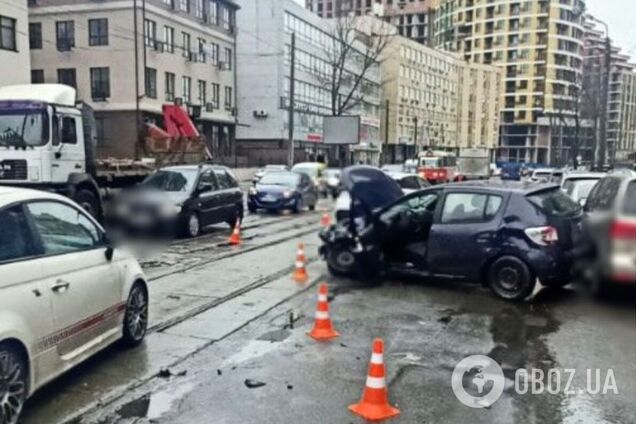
column 323, row 329
column 235, row 238
column 374, row 405
column 325, row 221
column 300, row 273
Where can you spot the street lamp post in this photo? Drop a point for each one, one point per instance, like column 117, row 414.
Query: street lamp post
column 602, row 159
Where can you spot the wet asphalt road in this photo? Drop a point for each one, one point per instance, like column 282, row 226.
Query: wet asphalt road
column 231, row 316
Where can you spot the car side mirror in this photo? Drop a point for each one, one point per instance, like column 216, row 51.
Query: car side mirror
column 110, row 247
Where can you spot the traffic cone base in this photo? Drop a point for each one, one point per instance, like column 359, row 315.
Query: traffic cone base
column 374, row 412
column 323, row 328
column 325, row 221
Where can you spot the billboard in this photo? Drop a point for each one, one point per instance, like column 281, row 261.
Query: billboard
column 341, row 129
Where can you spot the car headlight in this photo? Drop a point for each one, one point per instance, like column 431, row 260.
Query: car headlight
column 252, row 191
column 169, row 210
column 287, row 194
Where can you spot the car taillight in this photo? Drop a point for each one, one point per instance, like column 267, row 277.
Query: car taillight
column 543, row 236
column 622, row 230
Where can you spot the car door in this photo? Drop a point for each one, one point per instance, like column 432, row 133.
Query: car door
column 69, row 155
column 84, row 285
column 464, row 233
column 228, row 194
column 25, row 301
column 208, row 198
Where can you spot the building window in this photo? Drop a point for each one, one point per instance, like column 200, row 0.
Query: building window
column 216, row 88
column 170, row 79
column 35, row 36
column 184, row 5
column 227, row 59
column 168, row 39
column 7, row 33
column 150, row 32
column 65, row 35
column 186, row 84
column 67, row 76
column 151, row 83
column 37, row 76
column 228, row 19
column 185, row 45
column 198, row 8
column 202, row 94
column 228, row 98
column 98, row 32
column 201, row 50
column 214, row 54
column 214, row 12
column 100, row 83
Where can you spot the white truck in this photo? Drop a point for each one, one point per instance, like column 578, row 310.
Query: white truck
column 47, row 142
column 473, row 164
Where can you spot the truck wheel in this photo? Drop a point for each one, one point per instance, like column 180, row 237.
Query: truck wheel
column 511, row 279
column 13, row 383
column 88, row 202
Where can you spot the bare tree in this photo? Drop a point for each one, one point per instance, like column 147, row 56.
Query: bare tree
column 353, row 53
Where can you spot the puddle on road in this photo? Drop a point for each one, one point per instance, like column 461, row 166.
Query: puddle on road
column 153, row 405
column 275, row 336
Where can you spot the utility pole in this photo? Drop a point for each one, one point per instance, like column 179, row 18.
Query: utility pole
column 605, row 95
column 417, row 144
column 292, row 94
column 387, row 105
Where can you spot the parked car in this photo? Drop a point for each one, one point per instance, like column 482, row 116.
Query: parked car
column 181, row 200
column 510, row 171
column 277, row 191
column 268, row 168
column 542, row 175
column 389, row 168
column 504, row 234
column 409, row 182
column 65, row 293
column 577, row 185
column 332, row 178
column 611, row 220
column 314, row 170
column 556, row 176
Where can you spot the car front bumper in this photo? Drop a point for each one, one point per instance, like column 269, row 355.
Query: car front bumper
column 254, row 202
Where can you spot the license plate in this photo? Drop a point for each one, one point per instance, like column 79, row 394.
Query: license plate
column 269, row 198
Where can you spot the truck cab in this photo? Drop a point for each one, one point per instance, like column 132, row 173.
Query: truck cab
column 47, row 143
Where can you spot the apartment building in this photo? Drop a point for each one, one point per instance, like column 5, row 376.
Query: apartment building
column 621, row 110
column 128, row 58
column 539, row 46
column 264, row 76
column 437, row 100
column 413, row 19
column 14, row 43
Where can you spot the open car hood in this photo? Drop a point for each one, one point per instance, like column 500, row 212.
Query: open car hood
column 370, row 186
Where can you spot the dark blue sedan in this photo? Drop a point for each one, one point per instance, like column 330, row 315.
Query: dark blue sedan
column 278, row 191
column 506, row 235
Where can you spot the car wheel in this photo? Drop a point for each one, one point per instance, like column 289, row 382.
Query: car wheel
column 238, row 216
column 511, row 279
column 13, row 383
column 88, row 202
column 251, row 209
column 341, row 262
column 193, row 225
column 298, row 206
column 136, row 318
column 312, row 207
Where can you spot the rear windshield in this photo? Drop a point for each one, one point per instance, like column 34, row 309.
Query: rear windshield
column 554, row 203
column 629, row 207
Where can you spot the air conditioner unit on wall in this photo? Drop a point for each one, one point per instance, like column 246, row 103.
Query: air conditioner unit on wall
column 209, row 107
column 260, row 114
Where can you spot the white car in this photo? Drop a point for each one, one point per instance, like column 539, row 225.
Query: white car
column 65, row 293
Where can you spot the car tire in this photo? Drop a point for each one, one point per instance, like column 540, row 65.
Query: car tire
column 341, row 262
column 298, row 205
column 14, row 369
column 136, row 317
column 511, row 279
column 88, row 202
column 251, row 209
column 238, row 216
column 312, row 207
column 192, row 226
